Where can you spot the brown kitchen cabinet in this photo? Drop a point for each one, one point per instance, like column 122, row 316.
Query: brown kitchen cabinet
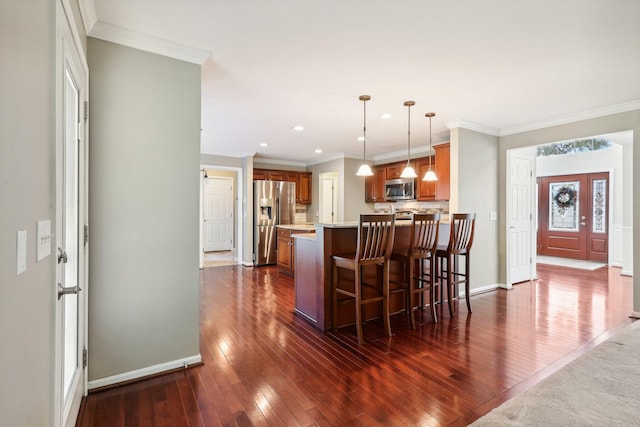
column 301, row 179
column 268, row 175
column 425, row 190
column 443, row 171
column 374, row 185
column 303, row 190
column 393, row 170
column 285, row 250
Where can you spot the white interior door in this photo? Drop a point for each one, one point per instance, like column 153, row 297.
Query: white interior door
column 218, row 217
column 328, row 198
column 71, row 210
column 520, row 219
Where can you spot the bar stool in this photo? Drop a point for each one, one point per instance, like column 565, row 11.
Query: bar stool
column 460, row 240
column 423, row 242
column 375, row 242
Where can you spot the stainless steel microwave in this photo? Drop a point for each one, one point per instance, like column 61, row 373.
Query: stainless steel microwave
column 399, row 189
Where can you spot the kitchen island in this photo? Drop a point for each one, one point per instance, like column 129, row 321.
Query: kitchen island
column 314, row 278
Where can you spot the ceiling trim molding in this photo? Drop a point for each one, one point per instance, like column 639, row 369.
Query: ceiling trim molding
column 266, row 161
column 88, row 14
column 453, row 124
column 329, row 159
column 415, row 153
column 237, row 154
column 129, row 38
column 570, row 118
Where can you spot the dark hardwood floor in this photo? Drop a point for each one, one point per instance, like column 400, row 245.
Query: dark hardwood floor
column 265, row 366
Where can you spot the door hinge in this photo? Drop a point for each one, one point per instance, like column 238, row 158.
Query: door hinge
column 86, row 235
column 84, row 357
column 86, row 110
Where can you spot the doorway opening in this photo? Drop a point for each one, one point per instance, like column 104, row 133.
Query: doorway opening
column 523, row 203
column 220, row 227
column 328, row 197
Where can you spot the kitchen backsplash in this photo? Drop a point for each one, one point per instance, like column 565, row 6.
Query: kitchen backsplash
column 412, row 205
column 301, row 214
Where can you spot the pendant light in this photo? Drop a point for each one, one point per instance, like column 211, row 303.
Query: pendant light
column 364, row 170
column 408, row 171
column 430, row 175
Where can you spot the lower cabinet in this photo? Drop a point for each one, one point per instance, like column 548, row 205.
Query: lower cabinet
column 285, row 250
column 308, row 289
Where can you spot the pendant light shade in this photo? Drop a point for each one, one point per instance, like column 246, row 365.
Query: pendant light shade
column 430, row 175
column 408, row 171
column 364, row 169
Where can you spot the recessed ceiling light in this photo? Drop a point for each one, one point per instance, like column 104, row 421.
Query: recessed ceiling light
column 318, row 150
column 298, row 128
column 263, row 144
column 386, row 116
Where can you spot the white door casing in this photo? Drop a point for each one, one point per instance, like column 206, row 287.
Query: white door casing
column 520, row 205
column 329, row 205
column 218, row 217
column 70, row 219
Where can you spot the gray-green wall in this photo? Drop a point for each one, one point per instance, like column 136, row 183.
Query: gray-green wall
column 474, row 188
column 27, row 36
column 143, row 271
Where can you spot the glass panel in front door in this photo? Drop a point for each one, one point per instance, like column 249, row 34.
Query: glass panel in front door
column 564, row 206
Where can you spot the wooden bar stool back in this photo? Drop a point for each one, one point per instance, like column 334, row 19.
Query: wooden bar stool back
column 375, row 242
column 460, row 241
column 423, row 243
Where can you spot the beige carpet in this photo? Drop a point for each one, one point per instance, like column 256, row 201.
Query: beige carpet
column 600, row 388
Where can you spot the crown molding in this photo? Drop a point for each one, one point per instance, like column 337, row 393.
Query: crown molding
column 267, row 161
column 453, row 124
column 129, row 38
column 88, row 14
column 571, row 118
column 402, row 153
column 329, row 159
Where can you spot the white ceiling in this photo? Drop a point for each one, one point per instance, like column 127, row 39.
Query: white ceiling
column 498, row 66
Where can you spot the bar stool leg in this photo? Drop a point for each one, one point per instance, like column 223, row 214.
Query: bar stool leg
column 466, row 282
column 450, row 266
column 385, row 298
column 334, row 297
column 411, row 291
column 358, row 292
column 432, row 283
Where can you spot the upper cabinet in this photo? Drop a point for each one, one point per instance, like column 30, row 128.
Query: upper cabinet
column 301, row 179
column 304, row 188
column 394, row 170
column 374, row 186
column 443, row 171
column 425, row 191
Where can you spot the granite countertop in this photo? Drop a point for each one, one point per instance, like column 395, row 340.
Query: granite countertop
column 297, row 226
column 305, row 236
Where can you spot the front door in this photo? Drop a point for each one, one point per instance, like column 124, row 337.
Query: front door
column 71, row 210
column 218, row 214
column 573, row 216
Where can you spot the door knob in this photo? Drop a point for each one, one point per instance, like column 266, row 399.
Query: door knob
column 583, row 223
column 71, row 290
column 62, row 256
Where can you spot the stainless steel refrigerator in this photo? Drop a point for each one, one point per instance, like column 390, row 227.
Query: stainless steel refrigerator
column 274, row 203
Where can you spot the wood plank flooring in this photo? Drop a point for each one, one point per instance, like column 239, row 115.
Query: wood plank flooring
column 265, row 366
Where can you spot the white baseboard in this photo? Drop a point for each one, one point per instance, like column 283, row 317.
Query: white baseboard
column 635, row 315
column 626, row 273
column 247, row 264
column 144, row 372
column 484, row 289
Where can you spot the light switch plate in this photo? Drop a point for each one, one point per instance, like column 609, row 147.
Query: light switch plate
column 494, row 216
column 21, row 250
column 43, row 239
